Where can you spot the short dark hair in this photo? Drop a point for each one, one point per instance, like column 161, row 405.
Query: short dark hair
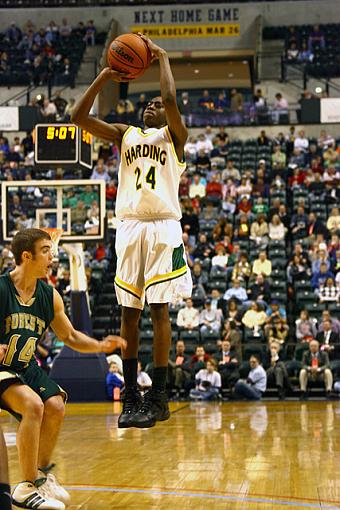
column 25, row 240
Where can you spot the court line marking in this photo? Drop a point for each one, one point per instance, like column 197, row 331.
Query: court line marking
column 223, row 497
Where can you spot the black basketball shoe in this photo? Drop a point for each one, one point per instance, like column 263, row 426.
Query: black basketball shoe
column 154, row 408
column 132, row 401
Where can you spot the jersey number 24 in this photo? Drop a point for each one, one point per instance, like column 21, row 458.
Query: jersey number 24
column 150, row 178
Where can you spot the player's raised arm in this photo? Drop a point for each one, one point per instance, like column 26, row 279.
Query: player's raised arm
column 77, row 340
column 176, row 125
column 81, row 111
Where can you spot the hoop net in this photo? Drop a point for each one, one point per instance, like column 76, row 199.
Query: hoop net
column 55, row 235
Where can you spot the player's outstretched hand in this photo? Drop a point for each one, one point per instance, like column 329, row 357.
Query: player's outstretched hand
column 111, row 74
column 111, row 343
column 3, row 349
column 156, row 51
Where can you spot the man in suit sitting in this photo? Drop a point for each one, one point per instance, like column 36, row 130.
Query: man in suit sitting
column 228, row 364
column 329, row 340
column 315, row 367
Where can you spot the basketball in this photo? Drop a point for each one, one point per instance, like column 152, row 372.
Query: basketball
column 128, row 53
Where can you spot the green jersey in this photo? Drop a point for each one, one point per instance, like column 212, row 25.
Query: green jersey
column 22, row 324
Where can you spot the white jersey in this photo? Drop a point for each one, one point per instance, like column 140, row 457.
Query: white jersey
column 149, row 175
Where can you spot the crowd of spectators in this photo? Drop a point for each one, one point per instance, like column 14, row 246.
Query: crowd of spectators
column 261, row 227
column 43, row 55
column 215, row 107
column 315, row 47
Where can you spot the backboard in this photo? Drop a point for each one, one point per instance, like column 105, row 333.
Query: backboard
column 76, row 206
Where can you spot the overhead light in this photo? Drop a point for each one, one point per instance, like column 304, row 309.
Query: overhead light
column 244, row 61
column 196, row 71
column 231, row 75
column 318, row 90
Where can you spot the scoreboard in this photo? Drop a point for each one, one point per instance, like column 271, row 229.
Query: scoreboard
column 62, row 144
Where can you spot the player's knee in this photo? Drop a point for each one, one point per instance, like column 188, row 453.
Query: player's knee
column 130, row 316
column 159, row 312
column 34, row 408
column 55, row 407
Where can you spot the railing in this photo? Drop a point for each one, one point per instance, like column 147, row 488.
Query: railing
column 301, row 71
column 19, row 95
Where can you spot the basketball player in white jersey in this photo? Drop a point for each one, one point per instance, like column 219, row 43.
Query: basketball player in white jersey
column 151, row 261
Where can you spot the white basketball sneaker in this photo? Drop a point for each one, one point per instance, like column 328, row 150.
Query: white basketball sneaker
column 52, row 488
column 27, row 495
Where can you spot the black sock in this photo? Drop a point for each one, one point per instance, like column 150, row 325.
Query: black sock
column 5, row 497
column 159, row 378
column 130, row 372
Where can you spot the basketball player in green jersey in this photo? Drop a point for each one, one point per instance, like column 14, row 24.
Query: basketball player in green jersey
column 151, row 262
column 5, row 490
column 27, row 307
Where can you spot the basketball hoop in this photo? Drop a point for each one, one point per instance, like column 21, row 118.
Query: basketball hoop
column 55, row 235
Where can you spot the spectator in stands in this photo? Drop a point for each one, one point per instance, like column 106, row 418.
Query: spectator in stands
column 316, row 227
column 260, row 101
column 275, row 310
column 113, row 380
column 198, row 361
column 242, row 268
column 259, row 232
column 188, row 317
column 325, row 140
column 13, row 34
column 327, row 338
column 244, row 206
column 79, row 216
column 204, row 249
column 217, row 302
column 197, row 188
column 228, row 362
column 221, row 229
column 276, row 329
column 315, row 367
column 214, row 190
column 329, row 291
column 185, row 105
column 49, row 110
column 60, row 103
column 301, row 141
column 244, row 191
column 231, row 172
column 209, row 319
column 190, row 149
column 202, row 162
column 65, row 30
column 320, row 257
column 278, row 158
column 277, row 230
column 335, row 323
column 180, row 372
column 262, row 265
column 259, row 291
column 144, row 381
column 333, row 222
column 220, row 103
column 206, row 102
column 280, row 108
column 305, row 55
column 243, row 229
column 236, row 292
column 256, row 383
column 90, row 34
column 299, row 223
column 220, row 261
column 305, row 326
column 208, row 383
column 100, row 172
column 316, row 39
column 263, row 139
column 277, row 371
column 292, row 52
column 254, row 318
column 204, row 144
column 331, row 175
column 236, row 101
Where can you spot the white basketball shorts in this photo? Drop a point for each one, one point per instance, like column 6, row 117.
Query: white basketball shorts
column 151, row 263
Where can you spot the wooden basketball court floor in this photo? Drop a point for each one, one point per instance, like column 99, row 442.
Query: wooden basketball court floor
column 237, row 456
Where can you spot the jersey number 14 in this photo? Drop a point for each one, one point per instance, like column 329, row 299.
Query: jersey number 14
column 150, row 178
column 25, row 353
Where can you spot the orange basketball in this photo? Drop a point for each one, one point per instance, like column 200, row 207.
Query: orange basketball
column 128, row 53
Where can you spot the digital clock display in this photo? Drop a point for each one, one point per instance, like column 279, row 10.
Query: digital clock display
column 85, row 148
column 56, row 143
